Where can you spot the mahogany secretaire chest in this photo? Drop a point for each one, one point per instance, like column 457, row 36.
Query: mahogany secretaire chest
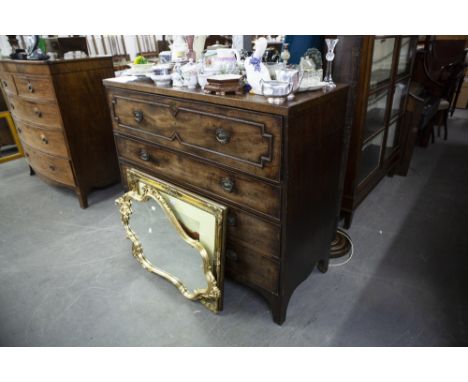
column 60, row 111
column 275, row 167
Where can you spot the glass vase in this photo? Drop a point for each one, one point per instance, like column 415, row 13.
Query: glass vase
column 330, row 56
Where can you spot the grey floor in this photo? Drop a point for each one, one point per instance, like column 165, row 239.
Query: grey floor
column 67, row 277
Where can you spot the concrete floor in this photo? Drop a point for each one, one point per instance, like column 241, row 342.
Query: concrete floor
column 67, row 277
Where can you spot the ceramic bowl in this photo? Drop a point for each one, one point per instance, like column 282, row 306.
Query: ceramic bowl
column 162, row 69
column 141, row 69
column 161, row 80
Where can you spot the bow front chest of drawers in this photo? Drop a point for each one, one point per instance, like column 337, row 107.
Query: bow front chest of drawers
column 275, row 167
column 62, row 118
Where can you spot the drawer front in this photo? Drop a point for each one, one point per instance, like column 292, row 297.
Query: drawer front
column 37, row 87
column 55, row 168
column 8, row 84
column 253, row 232
column 247, row 265
column 50, row 141
column 248, row 141
column 44, row 113
column 236, row 188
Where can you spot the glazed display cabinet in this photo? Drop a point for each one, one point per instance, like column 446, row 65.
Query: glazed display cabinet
column 378, row 68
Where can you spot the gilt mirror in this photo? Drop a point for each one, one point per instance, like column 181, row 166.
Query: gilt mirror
column 177, row 235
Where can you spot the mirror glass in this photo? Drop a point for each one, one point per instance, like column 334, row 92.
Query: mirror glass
column 164, row 247
column 177, row 235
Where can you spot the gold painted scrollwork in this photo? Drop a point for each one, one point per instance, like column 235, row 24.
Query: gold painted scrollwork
column 143, row 188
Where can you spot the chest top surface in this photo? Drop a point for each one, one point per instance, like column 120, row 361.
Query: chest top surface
column 60, row 66
column 247, row 101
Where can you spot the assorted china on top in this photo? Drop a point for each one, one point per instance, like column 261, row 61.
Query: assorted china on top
column 225, row 70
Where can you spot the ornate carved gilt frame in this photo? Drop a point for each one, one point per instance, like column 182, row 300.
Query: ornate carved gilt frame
column 141, row 188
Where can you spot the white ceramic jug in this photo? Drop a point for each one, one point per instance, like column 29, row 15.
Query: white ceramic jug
column 226, row 60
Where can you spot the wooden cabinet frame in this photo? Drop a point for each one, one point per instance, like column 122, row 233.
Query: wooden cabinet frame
column 353, row 65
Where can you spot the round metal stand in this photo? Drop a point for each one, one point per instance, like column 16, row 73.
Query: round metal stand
column 341, row 246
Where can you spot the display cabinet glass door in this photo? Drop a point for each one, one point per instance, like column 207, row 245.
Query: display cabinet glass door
column 404, row 59
column 375, row 115
column 382, row 59
column 391, row 142
column 370, row 157
column 399, row 96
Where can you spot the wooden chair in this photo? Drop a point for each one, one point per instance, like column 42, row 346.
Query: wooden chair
column 439, row 83
column 451, row 75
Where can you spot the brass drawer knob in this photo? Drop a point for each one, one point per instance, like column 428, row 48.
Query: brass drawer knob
column 19, row 130
column 12, row 106
column 51, row 167
column 231, row 255
column 30, row 87
column 222, row 136
column 144, row 155
column 5, row 84
column 44, row 139
column 227, row 184
column 138, row 114
column 37, row 112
